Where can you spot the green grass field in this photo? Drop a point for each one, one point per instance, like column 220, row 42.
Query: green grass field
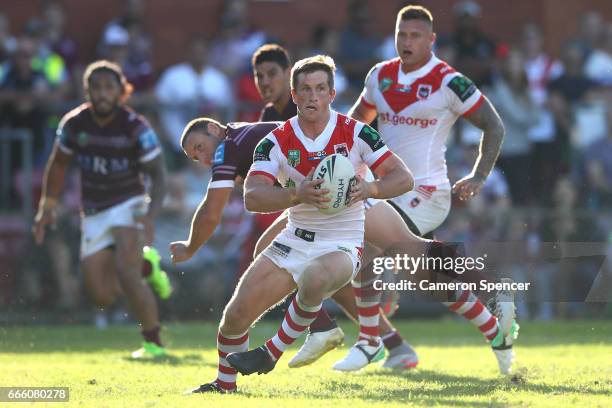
column 559, row 364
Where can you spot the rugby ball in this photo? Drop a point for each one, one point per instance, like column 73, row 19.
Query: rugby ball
column 338, row 175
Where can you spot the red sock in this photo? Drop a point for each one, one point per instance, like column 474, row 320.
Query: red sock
column 470, row 307
column 322, row 323
column 226, row 375
column 392, row 340
column 368, row 305
column 297, row 318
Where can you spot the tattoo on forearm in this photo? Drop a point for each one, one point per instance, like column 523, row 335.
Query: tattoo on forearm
column 487, row 119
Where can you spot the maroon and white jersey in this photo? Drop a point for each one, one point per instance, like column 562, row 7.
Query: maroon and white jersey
column 287, row 155
column 417, row 110
column 234, row 155
column 109, row 156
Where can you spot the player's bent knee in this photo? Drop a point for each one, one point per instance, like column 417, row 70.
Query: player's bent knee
column 102, row 299
column 236, row 319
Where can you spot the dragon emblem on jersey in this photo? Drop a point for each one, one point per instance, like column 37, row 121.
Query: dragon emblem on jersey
column 293, row 157
column 341, row 148
column 423, row 91
column 385, row 84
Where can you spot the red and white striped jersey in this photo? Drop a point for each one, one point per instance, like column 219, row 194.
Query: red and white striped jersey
column 417, row 110
column 288, row 155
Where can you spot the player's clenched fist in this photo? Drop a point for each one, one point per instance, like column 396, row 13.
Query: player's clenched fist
column 45, row 216
column 179, row 251
column 360, row 190
column 468, row 186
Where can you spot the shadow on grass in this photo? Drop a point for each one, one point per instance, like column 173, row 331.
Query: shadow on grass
column 449, row 388
column 174, row 360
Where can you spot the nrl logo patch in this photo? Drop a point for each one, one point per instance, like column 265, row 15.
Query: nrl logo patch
column 423, row 91
column 385, row 84
column 293, row 158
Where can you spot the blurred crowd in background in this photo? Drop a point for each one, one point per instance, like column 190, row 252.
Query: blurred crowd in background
column 552, row 183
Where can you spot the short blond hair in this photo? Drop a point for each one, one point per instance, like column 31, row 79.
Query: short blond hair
column 309, row 65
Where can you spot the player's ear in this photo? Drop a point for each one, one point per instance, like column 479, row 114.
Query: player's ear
column 212, row 129
column 433, row 39
column 293, row 97
column 333, row 94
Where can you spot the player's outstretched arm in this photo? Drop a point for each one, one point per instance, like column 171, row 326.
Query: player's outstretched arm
column 156, row 170
column 53, row 182
column 394, row 179
column 261, row 195
column 203, row 224
column 486, row 119
column 362, row 112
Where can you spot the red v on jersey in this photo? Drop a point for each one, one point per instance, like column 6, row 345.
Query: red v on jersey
column 300, row 158
column 399, row 96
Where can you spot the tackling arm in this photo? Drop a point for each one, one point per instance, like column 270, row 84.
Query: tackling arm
column 207, row 217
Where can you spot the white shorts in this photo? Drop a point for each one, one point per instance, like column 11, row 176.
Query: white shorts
column 426, row 206
column 96, row 230
column 293, row 254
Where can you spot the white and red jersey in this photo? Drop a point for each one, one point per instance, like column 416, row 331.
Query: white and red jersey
column 417, row 110
column 288, row 155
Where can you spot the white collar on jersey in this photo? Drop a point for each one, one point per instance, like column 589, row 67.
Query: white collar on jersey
column 414, row 75
column 321, row 141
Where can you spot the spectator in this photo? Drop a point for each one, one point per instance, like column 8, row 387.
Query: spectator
column 132, row 20
column 598, row 167
column 540, row 69
column 357, row 44
column 54, row 20
column 591, row 27
column 475, row 51
column 324, row 41
column 116, row 48
column 189, row 89
column 566, row 92
column 510, row 96
column 231, row 51
column 23, row 93
column 598, row 66
column 8, row 43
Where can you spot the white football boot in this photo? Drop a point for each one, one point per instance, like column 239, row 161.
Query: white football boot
column 502, row 348
column 360, row 355
column 316, row 345
column 502, row 306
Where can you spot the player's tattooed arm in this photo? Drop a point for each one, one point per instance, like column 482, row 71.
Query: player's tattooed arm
column 487, row 119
